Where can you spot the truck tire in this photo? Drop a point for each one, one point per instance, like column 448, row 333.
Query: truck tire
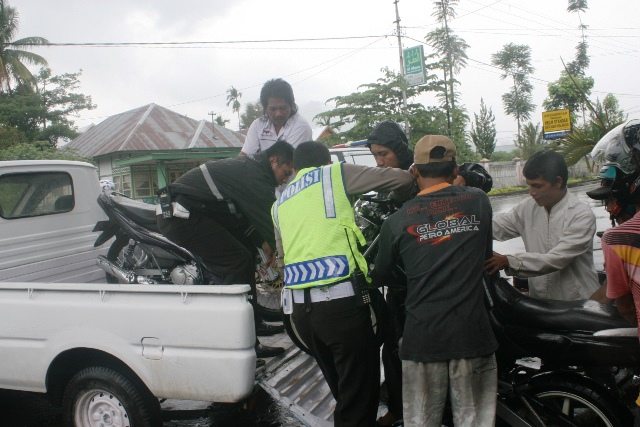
column 98, row 396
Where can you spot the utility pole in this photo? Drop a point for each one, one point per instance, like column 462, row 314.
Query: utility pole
column 404, row 92
column 211, row 113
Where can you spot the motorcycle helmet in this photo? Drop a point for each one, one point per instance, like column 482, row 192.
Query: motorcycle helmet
column 476, row 176
column 618, row 152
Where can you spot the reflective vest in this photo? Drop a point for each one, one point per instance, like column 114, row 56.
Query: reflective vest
column 319, row 234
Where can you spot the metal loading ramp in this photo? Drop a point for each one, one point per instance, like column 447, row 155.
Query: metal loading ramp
column 295, row 381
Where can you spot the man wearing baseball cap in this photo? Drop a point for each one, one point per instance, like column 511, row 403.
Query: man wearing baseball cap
column 443, row 236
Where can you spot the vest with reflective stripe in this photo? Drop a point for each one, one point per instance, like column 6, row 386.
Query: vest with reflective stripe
column 319, row 233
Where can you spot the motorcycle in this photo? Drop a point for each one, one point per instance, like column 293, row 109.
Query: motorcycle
column 560, row 363
column 141, row 254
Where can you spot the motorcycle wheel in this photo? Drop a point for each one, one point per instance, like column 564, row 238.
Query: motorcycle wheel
column 582, row 404
column 269, row 299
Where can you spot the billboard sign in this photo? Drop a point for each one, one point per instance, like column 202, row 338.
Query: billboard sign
column 414, row 72
column 556, row 124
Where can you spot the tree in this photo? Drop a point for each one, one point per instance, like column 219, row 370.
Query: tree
column 581, row 62
column 483, row 134
column 379, row 101
column 233, row 99
column 531, row 140
column 252, row 111
column 45, row 114
column 563, row 93
column 515, row 62
column 13, row 70
column 451, row 50
column 39, row 151
column 220, row 121
column 608, row 111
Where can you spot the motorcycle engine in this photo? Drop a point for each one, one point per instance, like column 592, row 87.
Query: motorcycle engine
column 185, row 275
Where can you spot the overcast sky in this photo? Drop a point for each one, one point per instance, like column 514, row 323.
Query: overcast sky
column 192, row 79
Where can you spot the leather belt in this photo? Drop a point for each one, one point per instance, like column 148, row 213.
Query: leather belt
column 325, row 293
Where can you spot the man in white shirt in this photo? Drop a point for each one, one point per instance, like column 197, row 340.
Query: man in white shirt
column 557, row 230
column 281, row 121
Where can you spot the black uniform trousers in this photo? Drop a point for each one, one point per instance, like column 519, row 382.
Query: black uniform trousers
column 390, row 350
column 340, row 337
column 226, row 251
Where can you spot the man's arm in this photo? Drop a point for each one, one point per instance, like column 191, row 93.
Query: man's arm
column 361, row 179
column 252, row 141
column 618, row 285
column 507, row 225
column 300, row 131
column 387, row 256
column 576, row 239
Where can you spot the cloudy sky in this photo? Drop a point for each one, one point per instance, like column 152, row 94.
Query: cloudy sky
column 353, row 40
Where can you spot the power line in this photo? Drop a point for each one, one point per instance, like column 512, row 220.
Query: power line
column 187, row 43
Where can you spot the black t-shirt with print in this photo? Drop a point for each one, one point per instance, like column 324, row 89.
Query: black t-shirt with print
column 443, row 239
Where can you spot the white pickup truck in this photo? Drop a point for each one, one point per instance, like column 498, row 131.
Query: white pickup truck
column 105, row 352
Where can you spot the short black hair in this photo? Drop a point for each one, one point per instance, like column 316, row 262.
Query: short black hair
column 311, row 154
column 548, row 165
column 282, row 151
column 277, row 88
column 436, row 170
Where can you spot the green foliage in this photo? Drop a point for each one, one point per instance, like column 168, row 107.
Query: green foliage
column 40, row 150
column 44, row 114
column 483, row 134
column 515, row 62
column 233, row 99
column 608, row 111
column 252, row 111
column 564, row 94
column 530, row 141
column 452, row 52
column 220, row 121
column 504, row 156
column 14, row 73
column 11, row 136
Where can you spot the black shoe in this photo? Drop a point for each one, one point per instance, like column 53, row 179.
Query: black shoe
column 265, row 330
column 266, row 351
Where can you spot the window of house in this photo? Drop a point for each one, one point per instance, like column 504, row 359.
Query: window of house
column 123, row 184
column 146, row 184
column 34, row 194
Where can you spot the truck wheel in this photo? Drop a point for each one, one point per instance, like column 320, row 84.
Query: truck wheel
column 100, row 396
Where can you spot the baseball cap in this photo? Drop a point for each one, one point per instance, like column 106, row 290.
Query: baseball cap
column 434, row 149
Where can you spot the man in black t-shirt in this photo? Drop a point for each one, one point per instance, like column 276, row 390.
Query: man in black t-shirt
column 443, row 237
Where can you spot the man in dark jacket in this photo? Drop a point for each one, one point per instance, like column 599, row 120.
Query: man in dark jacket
column 222, row 214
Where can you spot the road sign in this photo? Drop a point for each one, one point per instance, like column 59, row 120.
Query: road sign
column 414, row 73
column 556, row 124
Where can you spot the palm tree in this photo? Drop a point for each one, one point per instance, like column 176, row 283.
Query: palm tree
column 12, row 61
column 233, row 97
column 220, row 121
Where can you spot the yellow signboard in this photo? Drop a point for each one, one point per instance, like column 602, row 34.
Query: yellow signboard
column 556, row 121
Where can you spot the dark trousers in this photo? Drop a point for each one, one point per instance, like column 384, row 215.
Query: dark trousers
column 390, row 351
column 225, row 250
column 341, row 339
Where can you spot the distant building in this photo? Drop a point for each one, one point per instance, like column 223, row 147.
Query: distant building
column 321, row 132
column 144, row 149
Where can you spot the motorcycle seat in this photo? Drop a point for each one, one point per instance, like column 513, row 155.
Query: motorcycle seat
column 141, row 213
column 512, row 307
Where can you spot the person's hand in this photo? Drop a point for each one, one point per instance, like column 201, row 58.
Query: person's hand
column 271, row 257
column 496, row 263
column 460, row 181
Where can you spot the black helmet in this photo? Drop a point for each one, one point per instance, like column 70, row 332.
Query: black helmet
column 476, row 176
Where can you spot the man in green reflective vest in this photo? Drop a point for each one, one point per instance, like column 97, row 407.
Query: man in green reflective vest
column 315, row 218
